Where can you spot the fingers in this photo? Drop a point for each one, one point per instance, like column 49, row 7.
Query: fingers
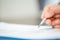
column 56, row 22
column 48, row 21
column 48, row 12
column 57, row 16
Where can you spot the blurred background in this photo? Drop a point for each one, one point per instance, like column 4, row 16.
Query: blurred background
column 23, row 11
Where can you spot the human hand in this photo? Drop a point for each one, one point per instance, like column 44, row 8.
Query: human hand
column 52, row 13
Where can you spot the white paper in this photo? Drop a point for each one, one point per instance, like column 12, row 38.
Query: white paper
column 27, row 31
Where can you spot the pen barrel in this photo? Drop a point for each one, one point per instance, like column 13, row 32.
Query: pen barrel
column 43, row 21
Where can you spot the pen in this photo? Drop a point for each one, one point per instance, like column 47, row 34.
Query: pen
column 42, row 22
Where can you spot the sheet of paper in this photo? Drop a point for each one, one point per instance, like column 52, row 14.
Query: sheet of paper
column 27, row 31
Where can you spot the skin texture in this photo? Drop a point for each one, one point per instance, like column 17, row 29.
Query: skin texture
column 52, row 13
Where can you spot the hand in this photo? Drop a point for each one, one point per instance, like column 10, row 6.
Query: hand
column 52, row 13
